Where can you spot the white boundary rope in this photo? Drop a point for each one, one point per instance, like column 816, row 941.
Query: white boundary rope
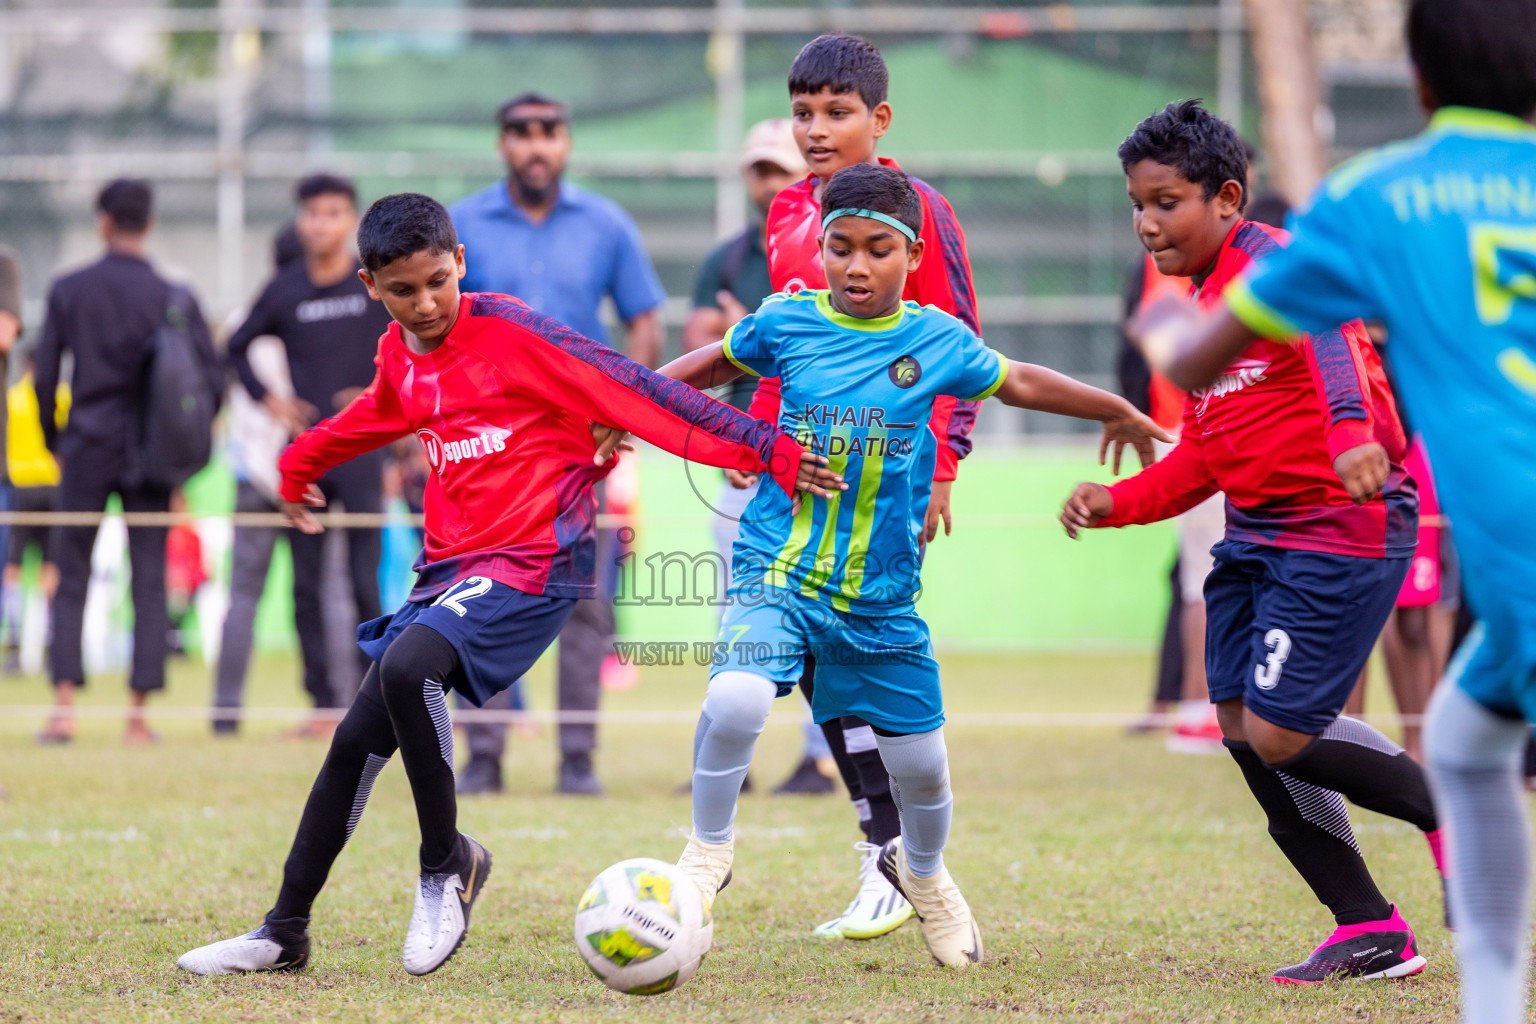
column 636, row 716
column 375, row 520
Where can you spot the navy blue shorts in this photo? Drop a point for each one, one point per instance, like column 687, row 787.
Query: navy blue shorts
column 1289, row 631
column 497, row 630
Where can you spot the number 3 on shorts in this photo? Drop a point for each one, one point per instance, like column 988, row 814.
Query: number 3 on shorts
column 454, row 597
column 1267, row 675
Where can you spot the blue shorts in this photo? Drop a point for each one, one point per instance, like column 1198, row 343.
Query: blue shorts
column 1289, row 631
column 880, row 669
column 497, row 630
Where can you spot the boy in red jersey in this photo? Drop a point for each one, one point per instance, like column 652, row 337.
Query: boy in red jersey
column 1305, row 442
column 837, row 90
column 502, row 399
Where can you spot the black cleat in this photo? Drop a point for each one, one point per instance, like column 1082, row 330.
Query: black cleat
column 1365, row 952
column 577, row 777
column 806, row 780
column 480, row 775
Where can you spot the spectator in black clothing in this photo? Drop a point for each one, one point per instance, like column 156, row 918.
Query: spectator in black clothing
column 106, row 316
column 330, row 329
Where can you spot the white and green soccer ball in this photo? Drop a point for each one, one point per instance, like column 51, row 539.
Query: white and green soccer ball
column 641, row 926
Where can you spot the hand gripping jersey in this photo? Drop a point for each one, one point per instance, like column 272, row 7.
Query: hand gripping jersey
column 1436, row 237
column 860, row 392
column 1267, row 431
column 502, row 409
column 943, row 279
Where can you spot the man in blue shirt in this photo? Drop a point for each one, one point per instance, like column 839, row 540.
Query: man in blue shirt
column 562, row 250
column 1435, row 236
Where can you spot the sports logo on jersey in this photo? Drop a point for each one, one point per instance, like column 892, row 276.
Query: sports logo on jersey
column 1241, row 374
column 441, row 453
column 793, row 286
column 905, row 372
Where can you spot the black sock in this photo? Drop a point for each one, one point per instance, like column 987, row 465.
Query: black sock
column 1369, row 769
column 362, row 745
column 863, row 772
column 1311, row 827
column 832, row 730
column 874, row 780
column 411, row 677
column 290, row 929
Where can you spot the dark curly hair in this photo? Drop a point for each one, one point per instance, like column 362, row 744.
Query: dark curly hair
column 1205, row 149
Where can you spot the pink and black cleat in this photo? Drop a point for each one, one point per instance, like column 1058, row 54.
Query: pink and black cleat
column 1365, row 952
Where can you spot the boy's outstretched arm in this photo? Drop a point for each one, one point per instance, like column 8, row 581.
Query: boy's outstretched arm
column 1028, row 386
column 371, row 420
column 703, row 368
column 590, row 380
column 1176, row 483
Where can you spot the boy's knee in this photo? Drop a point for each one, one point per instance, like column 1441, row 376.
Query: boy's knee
column 739, row 701
column 418, row 654
column 919, row 762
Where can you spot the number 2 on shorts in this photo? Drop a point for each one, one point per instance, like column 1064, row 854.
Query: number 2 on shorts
column 454, row 597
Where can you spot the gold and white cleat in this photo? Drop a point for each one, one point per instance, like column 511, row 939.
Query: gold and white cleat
column 948, row 927
column 709, row 865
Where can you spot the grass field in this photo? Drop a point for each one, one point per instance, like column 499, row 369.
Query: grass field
column 1113, row 882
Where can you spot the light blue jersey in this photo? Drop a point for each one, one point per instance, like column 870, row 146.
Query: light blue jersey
column 1436, row 237
column 859, row 392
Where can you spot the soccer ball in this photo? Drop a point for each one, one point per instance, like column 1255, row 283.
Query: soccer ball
column 641, row 926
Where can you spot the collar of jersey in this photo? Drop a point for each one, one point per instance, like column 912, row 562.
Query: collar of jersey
column 880, row 323
column 1477, row 121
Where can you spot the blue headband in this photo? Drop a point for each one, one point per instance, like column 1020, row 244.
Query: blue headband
column 884, row 218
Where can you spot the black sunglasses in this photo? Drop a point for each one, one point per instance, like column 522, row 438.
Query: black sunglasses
column 522, row 127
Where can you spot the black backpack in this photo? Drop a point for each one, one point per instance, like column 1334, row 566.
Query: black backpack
column 177, row 402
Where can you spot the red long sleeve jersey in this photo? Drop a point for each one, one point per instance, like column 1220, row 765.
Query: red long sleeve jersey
column 502, row 408
column 1267, row 431
column 943, row 279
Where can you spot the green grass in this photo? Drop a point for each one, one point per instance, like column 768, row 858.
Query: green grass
column 1113, row 882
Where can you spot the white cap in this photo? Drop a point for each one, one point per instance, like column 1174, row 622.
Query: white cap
column 773, row 141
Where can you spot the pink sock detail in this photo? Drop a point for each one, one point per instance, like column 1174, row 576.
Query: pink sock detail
column 1436, row 841
column 1393, row 923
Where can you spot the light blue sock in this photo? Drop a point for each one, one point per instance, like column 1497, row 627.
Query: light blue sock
column 735, row 711
column 919, row 768
column 1474, row 772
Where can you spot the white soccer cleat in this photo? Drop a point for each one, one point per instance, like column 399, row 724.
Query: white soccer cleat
column 877, row 908
column 709, row 865
column 440, row 919
column 948, row 927
column 260, row 950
